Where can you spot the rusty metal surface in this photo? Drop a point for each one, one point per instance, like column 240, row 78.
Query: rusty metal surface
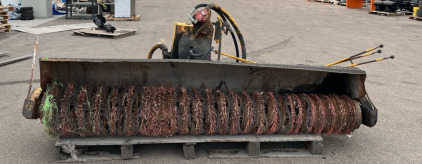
column 204, row 74
column 30, row 106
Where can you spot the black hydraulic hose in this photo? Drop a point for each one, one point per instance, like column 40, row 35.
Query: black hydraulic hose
column 163, row 48
column 218, row 9
column 235, row 43
column 204, row 54
column 199, row 6
column 232, row 34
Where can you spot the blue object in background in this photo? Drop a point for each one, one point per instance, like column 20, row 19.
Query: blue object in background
column 55, row 12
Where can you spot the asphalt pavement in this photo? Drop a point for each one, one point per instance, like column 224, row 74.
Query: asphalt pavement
column 276, row 32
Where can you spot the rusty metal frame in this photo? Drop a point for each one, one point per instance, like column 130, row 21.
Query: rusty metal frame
column 204, row 74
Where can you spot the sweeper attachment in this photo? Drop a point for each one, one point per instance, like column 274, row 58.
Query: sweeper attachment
column 180, row 97
column 162, row 100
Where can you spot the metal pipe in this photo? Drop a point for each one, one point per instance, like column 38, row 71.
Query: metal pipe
column 364, row 55
column 371, row 61
column 349, row 58
column 234, row 57
column 14, row 60
column 221, row 39
column 33, row 64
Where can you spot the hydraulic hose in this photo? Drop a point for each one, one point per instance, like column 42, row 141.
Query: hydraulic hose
column 204, row 54
column 232, row 34
column 222, row 11
column 163, row 48
column 235, row 43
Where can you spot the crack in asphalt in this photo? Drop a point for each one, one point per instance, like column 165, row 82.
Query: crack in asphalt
column 271, row 48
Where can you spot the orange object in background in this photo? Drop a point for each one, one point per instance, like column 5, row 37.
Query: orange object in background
column 372, row 5
column 354, row 4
